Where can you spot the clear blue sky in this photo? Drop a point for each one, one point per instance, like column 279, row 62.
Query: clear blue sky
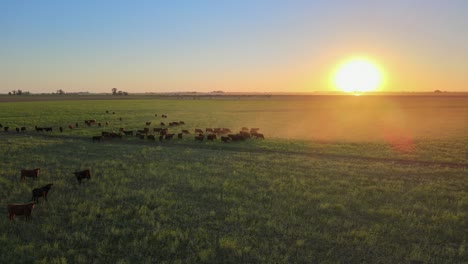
column 269, row 46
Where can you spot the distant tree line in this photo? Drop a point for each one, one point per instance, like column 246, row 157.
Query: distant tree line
column 18, row 92
column 117, row 92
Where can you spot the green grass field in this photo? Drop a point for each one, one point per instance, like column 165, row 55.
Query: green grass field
column 337, row 180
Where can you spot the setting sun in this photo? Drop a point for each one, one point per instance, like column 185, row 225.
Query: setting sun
column 357, row 75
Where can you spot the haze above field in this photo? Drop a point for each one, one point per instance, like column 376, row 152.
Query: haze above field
column 240, row 46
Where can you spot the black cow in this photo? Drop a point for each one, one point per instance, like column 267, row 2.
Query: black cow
column 211, row 137
column 23, row 129
column 17, row 130
column 179, row 135
column 84, row 174
column 41, row 192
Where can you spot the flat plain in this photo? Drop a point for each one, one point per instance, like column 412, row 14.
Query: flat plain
column 337, row 179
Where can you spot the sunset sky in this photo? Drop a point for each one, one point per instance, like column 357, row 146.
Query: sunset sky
column 234, row 46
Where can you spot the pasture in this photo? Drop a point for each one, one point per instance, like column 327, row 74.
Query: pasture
column 338, row 179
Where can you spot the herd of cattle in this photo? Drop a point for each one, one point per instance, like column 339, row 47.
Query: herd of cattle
column 26, row 209
column 161, row 132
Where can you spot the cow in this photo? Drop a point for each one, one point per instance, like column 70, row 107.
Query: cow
column 97, row 138
column 70, row 126
column 151, row 137
column 38, row 129
column 156, row 115
column 84, row 174
column 99, row 124
column 128, row 133
column 164, row 116
column 121, row 129
column 17, row 130
column 182, row 122
column 185, row 131
column 208, row 129
column 41, row 192
column 225, row 139
column 163, row 132
column 76, row 124
column 235, row 137
column 179, row 135
column 254, row 130
column 48, row 129
column 148, row 123
column 199, row 131
column 23, row 129
column 244, row 134
column 245, row 129
column 30, row 173
column 211, row 137
column 61, row 129
column 6, row 128
column 168, row 136
column 107, row 111
column 258, row 135
column 200, row 137
column 162, row 124
column 20, row 209
column 107, row 123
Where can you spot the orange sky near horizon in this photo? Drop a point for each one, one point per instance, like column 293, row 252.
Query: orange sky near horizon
column 246, row 46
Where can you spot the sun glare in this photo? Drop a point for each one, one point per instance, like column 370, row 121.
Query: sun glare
column 357, row 75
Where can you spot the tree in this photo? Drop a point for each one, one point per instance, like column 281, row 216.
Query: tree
column 114, row 91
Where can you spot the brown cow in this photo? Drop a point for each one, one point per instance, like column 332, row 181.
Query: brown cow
column 200, row 137
column 20, row 209
column 148, row 123
column 198, row 130
column 211, row 137
column 84, row 174
column 41, row 192
column 30, row 173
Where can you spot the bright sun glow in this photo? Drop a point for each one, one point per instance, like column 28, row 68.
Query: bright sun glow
column 357, row 75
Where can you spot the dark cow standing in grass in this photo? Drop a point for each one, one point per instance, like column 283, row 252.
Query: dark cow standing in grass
column 20, row 209
column 6, row 128
column 41, row 192
column 84, row 174
column 23, row 129
column 61, row 129
column 30, row 173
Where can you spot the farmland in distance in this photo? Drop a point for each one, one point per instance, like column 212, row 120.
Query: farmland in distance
column 338, row 179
